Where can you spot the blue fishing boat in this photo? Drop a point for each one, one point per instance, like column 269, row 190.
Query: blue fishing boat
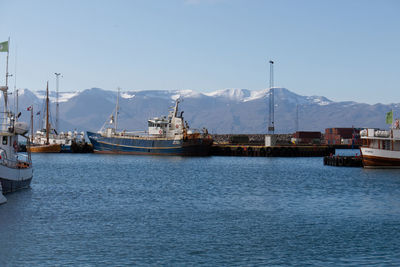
column 166, row 135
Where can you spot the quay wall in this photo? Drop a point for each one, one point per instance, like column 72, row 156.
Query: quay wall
column 282, row 139
column 275, row 151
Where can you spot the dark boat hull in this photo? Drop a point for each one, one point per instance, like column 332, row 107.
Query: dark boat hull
column 150, row 146
column 15, row 178
column 14, row 185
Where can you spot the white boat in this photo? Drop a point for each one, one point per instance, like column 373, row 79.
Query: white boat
column 381, row 148
column 15, row 168
column 65, row 140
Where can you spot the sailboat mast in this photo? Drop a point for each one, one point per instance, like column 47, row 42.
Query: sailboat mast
column 16, row 95
column 47, row 114
column 116, row 111
column 32, row 124
column 15, row 87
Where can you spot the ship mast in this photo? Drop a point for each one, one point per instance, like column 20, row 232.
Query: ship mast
column 47, row 114
column 4, row 47
column 176, row 108
column 8, row 44
column 7, row 75
column 16, row 105
column 32, row 124
column 57, row 103
column 116, row 112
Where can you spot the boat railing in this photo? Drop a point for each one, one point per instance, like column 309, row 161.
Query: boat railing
column 132, row 133
column 202, row 131
column 19, row 163
column 23, row 157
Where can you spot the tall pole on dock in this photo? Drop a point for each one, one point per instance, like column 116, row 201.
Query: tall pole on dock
column 271, row 127
column 57, row 104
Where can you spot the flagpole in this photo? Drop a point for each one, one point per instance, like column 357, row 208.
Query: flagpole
column 392, row 118
column 6, row 87
column 8, row 51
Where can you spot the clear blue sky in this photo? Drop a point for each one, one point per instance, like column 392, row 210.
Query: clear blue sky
column 344, row 50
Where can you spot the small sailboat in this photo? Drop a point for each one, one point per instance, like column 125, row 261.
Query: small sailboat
column 46, row 146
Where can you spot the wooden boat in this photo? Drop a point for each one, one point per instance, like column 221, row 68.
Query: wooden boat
column 46, row 147
column 64, row 139
column 51, row 148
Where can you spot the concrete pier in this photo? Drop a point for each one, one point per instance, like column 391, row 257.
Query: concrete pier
column 275, row 151
column 343, row 161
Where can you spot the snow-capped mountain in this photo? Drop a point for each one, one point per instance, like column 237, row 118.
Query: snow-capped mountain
column 223, row 111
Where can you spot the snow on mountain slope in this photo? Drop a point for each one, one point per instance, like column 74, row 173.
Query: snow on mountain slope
column 222, row 111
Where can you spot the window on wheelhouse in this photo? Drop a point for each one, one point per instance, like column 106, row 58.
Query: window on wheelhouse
column 386, row 144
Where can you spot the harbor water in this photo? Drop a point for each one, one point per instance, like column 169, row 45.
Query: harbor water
column 118, row 210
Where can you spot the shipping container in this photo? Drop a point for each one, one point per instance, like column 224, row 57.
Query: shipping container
column 342, row 136
column 310, row 135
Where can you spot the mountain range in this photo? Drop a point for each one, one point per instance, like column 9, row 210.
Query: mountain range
column 224, row 111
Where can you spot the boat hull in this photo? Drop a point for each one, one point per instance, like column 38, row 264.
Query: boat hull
column 380, row 158
column 65, row 149
column 53, row 148
column 2, row 198
column 150, row 146
column 14, row 179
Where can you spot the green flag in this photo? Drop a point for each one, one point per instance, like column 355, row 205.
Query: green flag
column 4, row 46
column 389, row 117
